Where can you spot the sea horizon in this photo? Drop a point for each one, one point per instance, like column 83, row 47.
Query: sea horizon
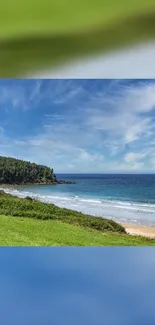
column 66, row 173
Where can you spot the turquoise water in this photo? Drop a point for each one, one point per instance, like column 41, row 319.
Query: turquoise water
column 124, row 198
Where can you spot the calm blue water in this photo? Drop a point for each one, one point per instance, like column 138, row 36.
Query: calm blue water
column 124, row 198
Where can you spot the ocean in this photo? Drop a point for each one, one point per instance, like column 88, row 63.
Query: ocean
column 123, row 198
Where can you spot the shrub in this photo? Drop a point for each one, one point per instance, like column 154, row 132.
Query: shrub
column 28, row 198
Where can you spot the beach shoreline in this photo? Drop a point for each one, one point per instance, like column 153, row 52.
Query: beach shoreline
column 139, row 230
column 131, row 228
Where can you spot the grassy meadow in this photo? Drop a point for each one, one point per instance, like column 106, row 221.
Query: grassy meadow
column 28, row 222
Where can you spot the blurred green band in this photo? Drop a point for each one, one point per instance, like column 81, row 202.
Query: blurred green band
column 41, row 34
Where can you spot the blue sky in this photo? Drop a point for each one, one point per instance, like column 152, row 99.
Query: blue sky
column 72, row 286
column 93, row 126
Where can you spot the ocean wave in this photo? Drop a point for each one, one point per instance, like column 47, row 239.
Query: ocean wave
column 91, row 201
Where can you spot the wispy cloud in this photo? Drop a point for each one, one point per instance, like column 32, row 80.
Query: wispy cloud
column 80, row 125
column 123, row 117
column 21, row 94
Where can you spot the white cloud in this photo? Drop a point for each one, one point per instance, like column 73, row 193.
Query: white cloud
column 17, row 95
column 36, row 90
column 111, row 130
column 124, row 118
column 131, row 157
column 139, row 128
column 140, row 99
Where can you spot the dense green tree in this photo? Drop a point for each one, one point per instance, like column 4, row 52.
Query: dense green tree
column 16, row 171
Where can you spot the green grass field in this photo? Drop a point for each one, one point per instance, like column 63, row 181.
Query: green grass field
column 27, row 222
column 17, row 231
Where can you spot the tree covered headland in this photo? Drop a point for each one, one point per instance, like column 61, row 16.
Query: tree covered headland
column 16, row 171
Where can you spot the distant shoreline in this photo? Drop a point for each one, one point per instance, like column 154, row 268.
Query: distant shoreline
column 59, row 182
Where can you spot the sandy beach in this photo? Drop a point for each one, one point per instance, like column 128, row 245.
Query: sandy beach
column 140, row 230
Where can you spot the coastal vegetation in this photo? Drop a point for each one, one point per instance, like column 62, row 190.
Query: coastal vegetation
column 16, row 171
column 27, row 222
column 32, row 208
column 20, row 172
